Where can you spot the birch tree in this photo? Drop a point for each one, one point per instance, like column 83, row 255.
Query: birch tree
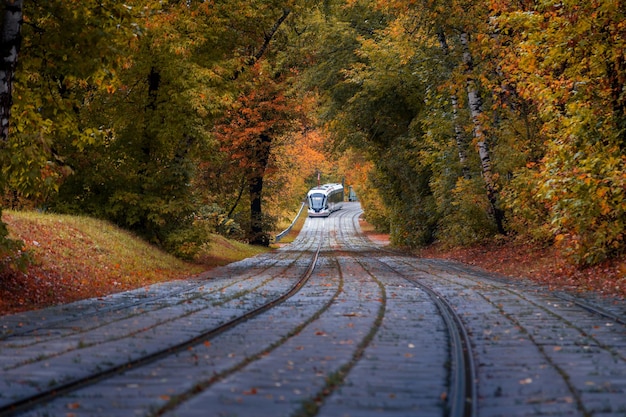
column 475, row 104
column 10, row 42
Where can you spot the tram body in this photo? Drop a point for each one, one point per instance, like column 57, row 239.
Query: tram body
column 325, row 199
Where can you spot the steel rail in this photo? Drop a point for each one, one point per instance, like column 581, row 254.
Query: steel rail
column 32, row 401
column 462, row 401
column 463, row 397
column 591, row 308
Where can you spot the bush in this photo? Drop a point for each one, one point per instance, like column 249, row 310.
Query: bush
column 187, row 243
column 12, row 255
column 527, row 214
column 466, row 220
column 587, row 209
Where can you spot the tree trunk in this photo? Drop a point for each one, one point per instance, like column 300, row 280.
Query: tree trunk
column 459, row 138
column 10, row 42
column 241, row 189
column 258, row 236
column 476, row 110
column 458, row 130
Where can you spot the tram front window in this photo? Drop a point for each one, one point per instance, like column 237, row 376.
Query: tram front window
column 317, row 201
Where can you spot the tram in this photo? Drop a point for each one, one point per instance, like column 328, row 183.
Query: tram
column 325, row 199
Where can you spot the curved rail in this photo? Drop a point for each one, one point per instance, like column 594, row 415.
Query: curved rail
column 462, row 400
column 111, row 306
column 32, row 401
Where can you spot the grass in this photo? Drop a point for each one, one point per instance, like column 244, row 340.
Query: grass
column 79, row 257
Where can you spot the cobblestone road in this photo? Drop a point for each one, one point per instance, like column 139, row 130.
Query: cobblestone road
column 365, row 336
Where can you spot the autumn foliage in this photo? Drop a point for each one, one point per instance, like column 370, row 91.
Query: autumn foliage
column 455, row 120
column 508, row 117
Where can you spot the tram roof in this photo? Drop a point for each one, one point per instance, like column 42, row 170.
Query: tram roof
column 326, row 188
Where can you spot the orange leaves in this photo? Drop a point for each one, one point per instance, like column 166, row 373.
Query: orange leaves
column 263, row 109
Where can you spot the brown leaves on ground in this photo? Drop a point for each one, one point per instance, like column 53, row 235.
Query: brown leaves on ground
column 541, row 264
column 544, row 265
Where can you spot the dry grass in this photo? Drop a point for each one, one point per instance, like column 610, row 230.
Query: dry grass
column 80, row 257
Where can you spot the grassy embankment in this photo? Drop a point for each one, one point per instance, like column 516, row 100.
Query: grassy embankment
column 79, row 257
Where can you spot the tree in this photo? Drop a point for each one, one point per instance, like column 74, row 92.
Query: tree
column 10, row 43
column 186, row 62
column 567, row 59
column 248, row 133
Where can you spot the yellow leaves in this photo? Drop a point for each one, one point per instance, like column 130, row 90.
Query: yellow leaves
column 601, row 191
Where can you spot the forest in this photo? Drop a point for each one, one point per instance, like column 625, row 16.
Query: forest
column 454, row 120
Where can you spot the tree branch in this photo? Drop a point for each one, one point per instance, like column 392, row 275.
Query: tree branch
column 267, row 39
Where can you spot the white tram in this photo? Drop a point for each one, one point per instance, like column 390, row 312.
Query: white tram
column 324, row 199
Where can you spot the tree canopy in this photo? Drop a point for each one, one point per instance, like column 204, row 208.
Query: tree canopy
column 454, row 120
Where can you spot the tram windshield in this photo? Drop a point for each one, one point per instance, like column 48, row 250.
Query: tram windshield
column 316, row 201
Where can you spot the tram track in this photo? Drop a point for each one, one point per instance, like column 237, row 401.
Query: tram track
column 549, row 322
column 369, row 331
column 551, row 304
column 469, row 271
column 232, row 353
column 9, row 407
column 461, row 397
